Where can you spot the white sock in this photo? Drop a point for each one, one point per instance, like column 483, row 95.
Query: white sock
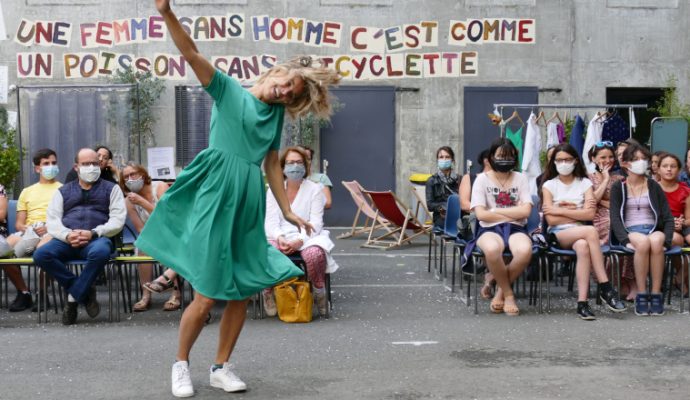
column 71, row 299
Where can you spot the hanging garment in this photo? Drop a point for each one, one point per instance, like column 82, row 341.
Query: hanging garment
column 552, row 135
column 561, row 132
column 633, row 122
column 516, row 139
column 530, row 158
column 577, row 137
column 593, row 137
column 615, row 130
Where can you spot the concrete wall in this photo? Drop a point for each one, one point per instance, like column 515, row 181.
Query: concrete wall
column 582, row 47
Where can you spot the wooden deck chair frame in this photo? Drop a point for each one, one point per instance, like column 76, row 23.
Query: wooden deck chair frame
column 364, row 207
column 399, row 216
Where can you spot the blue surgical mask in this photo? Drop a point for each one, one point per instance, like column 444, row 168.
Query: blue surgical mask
column 49, row 172
column 445, row 164
column 294, row 172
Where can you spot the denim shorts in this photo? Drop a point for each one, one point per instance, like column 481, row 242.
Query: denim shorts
column 558, row 228
column 644, row 229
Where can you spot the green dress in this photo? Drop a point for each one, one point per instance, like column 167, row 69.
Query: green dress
column 516, row 139
column 209, row 226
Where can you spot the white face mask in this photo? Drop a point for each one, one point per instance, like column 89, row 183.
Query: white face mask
column 135, row 185
column 565, row 168
column 639, row 167
column 90, row 174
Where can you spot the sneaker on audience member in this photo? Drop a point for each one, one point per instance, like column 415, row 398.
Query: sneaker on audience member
column 224, row 378
column 584, row 312
column 642, row 304
column 612, row 301
column 92, row 306
column 69, row 314
column 181, row 380
column 21, row 302
column 269, row 303
column 656, row 304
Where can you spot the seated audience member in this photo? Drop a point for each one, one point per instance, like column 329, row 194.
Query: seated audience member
column 603, row 157
column 540, row 179
column 320, row 178
column 31, row 231
column 568, row 202
column 465, row 199
column 5, row 249
column 641, row 220
column 677, row 194
column 654, row 166
column 141, row 197
column 109, row 171
column 441, row 185
column 684, row 174
column 82, row 217
column 502, row 202
column 307, row 202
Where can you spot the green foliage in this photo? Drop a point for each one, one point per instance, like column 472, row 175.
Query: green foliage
column 10, row 154
column 302, row 131
column 141, row 103
column 670, row 105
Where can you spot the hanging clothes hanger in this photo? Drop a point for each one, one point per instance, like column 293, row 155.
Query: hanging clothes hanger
column 555, row 116
column 541, row 118
column 515, row 117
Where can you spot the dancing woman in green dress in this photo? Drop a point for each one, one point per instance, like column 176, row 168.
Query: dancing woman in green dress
column 209, row 226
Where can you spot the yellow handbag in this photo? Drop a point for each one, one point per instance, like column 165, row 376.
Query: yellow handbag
column 294, row 301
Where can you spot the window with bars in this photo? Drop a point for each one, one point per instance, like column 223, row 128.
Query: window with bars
column 192, row 118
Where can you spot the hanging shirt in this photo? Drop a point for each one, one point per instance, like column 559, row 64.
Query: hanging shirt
column 593, row 137
column 615, row 130
column 561, row 132
column 577, row 139
column 552, row 135
column 531, row 166
column 516, row 139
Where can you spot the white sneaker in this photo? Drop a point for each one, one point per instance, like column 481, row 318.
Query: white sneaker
column 224, row 378
column 269, row 303
column 181, row 380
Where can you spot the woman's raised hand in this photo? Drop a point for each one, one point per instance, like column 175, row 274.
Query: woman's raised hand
column 163, row 6
column 299, row 222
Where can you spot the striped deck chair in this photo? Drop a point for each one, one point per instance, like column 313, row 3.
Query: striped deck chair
column 364, row 206
column 400, row 217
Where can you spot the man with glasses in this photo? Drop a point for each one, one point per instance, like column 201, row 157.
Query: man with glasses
column 82, row 217
column 109, row 171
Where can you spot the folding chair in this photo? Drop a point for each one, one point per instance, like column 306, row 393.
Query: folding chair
column 401, row 219
column 435, row 231
column 450, row 231
column 363, row 204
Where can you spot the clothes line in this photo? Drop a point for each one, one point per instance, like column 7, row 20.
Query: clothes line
column 522, row 105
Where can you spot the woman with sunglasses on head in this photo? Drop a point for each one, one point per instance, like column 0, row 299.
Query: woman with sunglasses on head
column 642, row 221
column 677, row 194
column 603, row 157
column 568, row 203
column 502, row 203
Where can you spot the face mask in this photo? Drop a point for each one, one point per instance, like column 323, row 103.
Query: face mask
column 294, row 172
column 565, row 168
column 49, row 172
column 90, row 174
column 639, row 167
column 135, row 185
column 445, row 164
column 502, row 165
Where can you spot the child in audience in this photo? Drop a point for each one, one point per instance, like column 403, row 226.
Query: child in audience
column 642, row 221
column 568, row 202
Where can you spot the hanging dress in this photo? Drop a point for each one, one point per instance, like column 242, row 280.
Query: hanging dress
column 516, row 139
column 209, row 226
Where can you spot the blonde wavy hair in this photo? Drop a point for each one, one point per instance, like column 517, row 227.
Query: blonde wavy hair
column 315, row 97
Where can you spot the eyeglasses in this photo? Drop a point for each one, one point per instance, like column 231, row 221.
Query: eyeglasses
column 90, row 164
column 132, row 176
column 564, row 160
column 294, row 162
column 604, row 143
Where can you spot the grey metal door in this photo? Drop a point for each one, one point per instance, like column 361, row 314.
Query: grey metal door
column 479, row 101
column 359, row 145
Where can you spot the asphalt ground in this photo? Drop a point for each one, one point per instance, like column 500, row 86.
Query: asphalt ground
column 395, row 332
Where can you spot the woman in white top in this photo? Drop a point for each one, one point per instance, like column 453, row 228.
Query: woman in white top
column 502, row 203
column 307, row 201
column 141, row 197
column 568, row 202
